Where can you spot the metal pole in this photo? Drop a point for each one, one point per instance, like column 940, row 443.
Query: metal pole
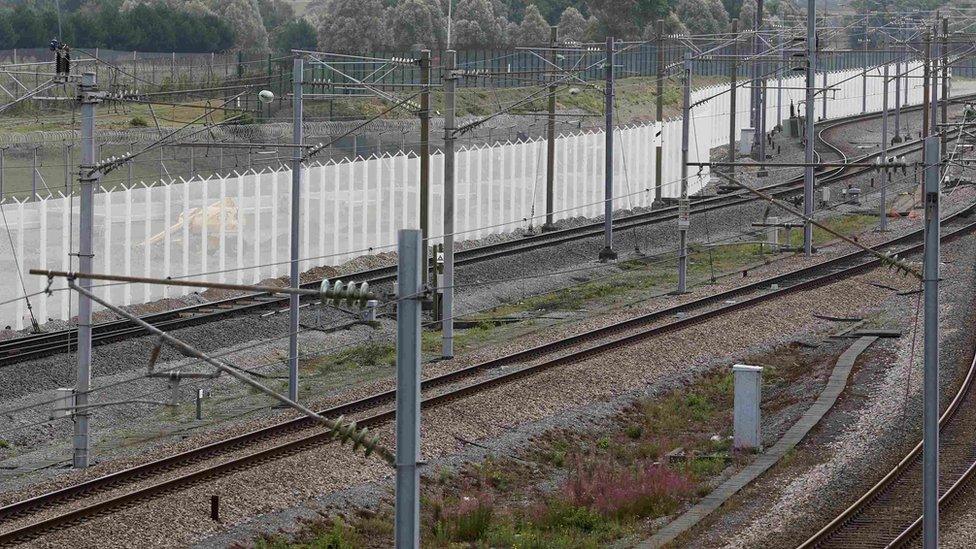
column 1, row 173
column 732, row 94
column 925, row 83
column 682, row 219
column 298, row 69
column 809, row 108
column 897, row 137
column 447, row 303
column 756, row 103
column 82, row 429
column 864, row 64
column 934, row 105
column 607, row 253
column 425, row 155
column 883, row 205
column 34, row 175
column 551, row 136
column 779, row 86
column 930, row 417
column 823, row 115
column 944, row 97
column 410, row 284
column 945, row 81
column 659, row 149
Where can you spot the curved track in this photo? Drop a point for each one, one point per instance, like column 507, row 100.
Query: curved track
column 889, row 514
column 140, row 483
column 36, row 345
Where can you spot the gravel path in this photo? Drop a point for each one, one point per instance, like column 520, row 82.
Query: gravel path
column 664, row 360
column 857, row 443
column 124, row 358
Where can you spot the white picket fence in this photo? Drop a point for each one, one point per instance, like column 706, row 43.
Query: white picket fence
column 235, row 229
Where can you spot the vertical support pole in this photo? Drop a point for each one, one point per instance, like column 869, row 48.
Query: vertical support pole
column 945, row 82
column 607, row 253
column 930, row 416
column 897, row 138
column 34, row 175
column 296, row 213
column 927, row 39
column 659, row 117
column 826, row 74
column 779, row 85
column 2, row 195
column 81, row 444
column 756, row 103
column 425, row 155
column 934, row 105
column 551, row 135
column 410, row 284
column 685, row 138
column 808, row 158
column 883, row 204
column 864, row 65
column 733, row 92
column 447, row 303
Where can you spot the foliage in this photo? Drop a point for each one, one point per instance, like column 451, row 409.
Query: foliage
column 625, row 18
column 350, row 26
column 702, row 17
column 297, row 34
column 417, row 24
column 156, row 27
column 647, row 489
column 534, row 29
column 476, row 24
column 572, row 25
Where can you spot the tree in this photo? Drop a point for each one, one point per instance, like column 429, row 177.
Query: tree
column 244, row 17
column 718, row 13
column 747, row 14
column 8, row 36
column 276, row 13
column 417, row 24
column 572, row 25
column 477, row 25
column 534, row 29
column 351, row 26
column 297, row 34
column 626, row 18
column 697, row 16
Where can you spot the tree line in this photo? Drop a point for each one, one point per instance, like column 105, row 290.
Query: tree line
column 155, row 27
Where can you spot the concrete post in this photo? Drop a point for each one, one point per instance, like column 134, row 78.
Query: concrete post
column 772, row 233
column 447, row 303
column 81, row 442
column 409, row 285
column 747, row 418
column 296, row 213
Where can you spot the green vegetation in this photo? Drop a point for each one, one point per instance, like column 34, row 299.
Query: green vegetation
column 847, row 225
column 105, row 24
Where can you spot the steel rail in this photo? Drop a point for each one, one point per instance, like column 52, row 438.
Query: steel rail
column 824, row 536
column 816, row 275
column 36, row 345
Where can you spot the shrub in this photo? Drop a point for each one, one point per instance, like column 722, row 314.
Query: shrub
column 138, row 122
column 646, row 490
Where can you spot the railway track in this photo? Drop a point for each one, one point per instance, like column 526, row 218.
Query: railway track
column 889, row 513
column 37, row 345
column 142, row 482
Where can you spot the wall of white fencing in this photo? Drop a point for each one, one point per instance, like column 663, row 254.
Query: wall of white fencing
column 235, row 229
